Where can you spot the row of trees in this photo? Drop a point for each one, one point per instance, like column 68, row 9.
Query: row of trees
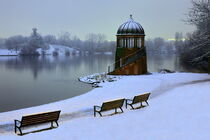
column 197, row 44
column 162, row 46
column 2, row 42
column 26, row 45
column 93, row 43
column 29, row 45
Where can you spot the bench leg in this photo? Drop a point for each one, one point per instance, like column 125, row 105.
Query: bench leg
column 121, row 109
column 94, row 113
column 19, row 130
column 56, row 123
column 141, row 105
column 147, row 103
column 51, row 124
column 15, row 126
column 126, row 104
column 115, row 110
column 131, row 106
column 98, row 113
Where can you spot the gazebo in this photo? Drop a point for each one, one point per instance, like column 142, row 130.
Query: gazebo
column 130, row 58
column 130, row 35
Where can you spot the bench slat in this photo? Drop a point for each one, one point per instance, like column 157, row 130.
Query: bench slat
column 40, row 118
column 141, row 98
column 112, row 104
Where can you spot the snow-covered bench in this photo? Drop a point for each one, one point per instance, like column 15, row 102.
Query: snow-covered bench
column 115, row 104
column 35, row 119
column 137, row 99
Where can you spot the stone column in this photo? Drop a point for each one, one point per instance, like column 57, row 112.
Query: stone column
column 142, row 42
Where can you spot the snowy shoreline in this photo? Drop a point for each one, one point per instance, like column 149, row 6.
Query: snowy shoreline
column 172, row 97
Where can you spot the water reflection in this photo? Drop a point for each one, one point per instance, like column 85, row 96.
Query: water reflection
column 31, row 81
column 85, row 64
column 157, row 62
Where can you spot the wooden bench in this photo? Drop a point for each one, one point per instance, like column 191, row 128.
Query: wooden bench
column 137, row 99
column 115, row 104
column 35, row 119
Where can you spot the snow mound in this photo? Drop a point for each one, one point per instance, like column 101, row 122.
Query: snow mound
column 98, row 78
column 7, row 52
column 60, row 49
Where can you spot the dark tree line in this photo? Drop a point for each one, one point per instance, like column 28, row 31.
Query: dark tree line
column 197, row 44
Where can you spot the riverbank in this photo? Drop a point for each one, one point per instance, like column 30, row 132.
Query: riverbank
column 178, row 110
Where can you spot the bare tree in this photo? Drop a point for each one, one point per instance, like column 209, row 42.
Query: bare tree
column 64, row 38
column 91, row 41
column 198, row 42
column 16, row 42
column 179, row 42
column 50, row 39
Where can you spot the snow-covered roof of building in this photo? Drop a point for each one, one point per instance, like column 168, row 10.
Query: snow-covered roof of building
column 130, row 28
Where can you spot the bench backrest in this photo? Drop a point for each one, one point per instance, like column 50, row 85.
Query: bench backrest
column 40, row 118
column 141, row 98
column 112, row 104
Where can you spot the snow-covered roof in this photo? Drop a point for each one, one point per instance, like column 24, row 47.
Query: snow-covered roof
column 130, row 28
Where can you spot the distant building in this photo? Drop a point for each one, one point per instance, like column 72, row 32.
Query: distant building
column 130, row 58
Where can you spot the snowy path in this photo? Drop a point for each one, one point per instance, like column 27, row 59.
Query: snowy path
column 163, row 87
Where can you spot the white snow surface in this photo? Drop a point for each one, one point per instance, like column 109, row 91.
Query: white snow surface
column 8, row 52
column 52, row 48
column 98, row 78
column 58, row 48
column 178, row 110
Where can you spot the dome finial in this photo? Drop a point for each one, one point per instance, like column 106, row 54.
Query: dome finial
column 131, row 16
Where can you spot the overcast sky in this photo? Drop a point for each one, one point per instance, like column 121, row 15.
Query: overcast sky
column 159, row 18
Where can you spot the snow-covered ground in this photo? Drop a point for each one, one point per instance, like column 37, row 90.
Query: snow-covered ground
column 98, row 78
column 60, row 49
column 179, row 110
column 8, row 52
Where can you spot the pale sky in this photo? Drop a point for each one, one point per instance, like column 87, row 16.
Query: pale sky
column 159, row 18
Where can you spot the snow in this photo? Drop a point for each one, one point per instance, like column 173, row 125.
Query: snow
column 98, row 78
column 58, row 48
column 8, row 52
column 178, row 110
column 52, row 48
column 108, row 53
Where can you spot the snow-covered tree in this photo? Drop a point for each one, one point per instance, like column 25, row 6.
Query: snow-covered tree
column 50, row 39
column 198, row 42
column 35, row 41
column 16, row 42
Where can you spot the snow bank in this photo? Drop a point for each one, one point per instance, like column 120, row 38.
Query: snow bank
column 60, row 49
column 7, row 52
column 98, row 78
column 179, row 110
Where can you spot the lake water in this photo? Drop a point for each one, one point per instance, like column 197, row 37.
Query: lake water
column 32, row 81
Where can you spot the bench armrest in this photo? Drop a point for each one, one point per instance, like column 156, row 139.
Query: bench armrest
column 128, row 100
column 17, row 121
column 96, row 107
column 17, row 124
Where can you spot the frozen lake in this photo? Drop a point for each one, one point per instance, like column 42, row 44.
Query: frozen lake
column 32, row 81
